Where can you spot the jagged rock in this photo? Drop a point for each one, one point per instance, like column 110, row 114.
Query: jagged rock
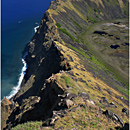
column 114, row 117
column 16, row 104
column 57, row 115
column 89, row 80
column 113, row 105
column 84, row 95
column 91, row 102
column 5, row 101
column 53, row 120
column 62, row 96
column 60, row 113
column 71, row 96
column 68, row 96
column 69, row 103
column 126, row 126
column 104, row 100
column 125, row 110
column 6, row 109
column 53, row 5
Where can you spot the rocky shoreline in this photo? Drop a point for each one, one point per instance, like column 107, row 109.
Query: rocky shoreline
column 60, row 78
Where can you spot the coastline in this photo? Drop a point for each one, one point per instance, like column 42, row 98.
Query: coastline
column 21, row 75
column 57, row 81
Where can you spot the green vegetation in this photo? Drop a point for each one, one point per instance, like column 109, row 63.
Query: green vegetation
column 92, row 20
column 116, row 2
column 92, row 47
column 80, row 51
column 67, row 80
column 76, row 24
column 123, row 91
column 99, row 63
column 92, row 58
column 99, row 10
column 58, row 25
column 97, row 16
column 87, row 117
column 29, row 126
column 80, row 37
column 95, row 9
column 67, row 33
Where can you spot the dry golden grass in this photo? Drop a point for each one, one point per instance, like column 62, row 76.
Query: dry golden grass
column 85, row 75
column 87, row 117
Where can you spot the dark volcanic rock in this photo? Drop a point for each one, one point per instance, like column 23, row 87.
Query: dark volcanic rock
column 126, row 126
column 125, row 110
column 112, row 104
column 37, row 108
column 114, row 117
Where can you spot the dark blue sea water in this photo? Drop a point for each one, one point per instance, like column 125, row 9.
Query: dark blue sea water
column 19, row 17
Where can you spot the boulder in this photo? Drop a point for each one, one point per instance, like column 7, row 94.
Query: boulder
column 71, row 95
column 62, row 96
column 114, row 117
column 69, row 103
column 112, row 104
column 91, row 102
column 56, row 116
column 126, row 111
column 84, row 95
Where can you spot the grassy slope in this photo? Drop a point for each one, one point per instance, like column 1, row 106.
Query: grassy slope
column 84, row 118
column 113, row 68
column 93, row 15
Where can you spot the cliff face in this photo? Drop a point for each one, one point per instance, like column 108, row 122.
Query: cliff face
column 60, row 62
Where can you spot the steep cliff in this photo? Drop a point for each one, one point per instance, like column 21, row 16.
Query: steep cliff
column 63, row 60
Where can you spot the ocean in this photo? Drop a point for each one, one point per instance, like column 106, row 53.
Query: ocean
column 18, row 21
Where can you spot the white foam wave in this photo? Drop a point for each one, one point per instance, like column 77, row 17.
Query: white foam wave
column 21, row 76
column 23, row 72
column 35, row 29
